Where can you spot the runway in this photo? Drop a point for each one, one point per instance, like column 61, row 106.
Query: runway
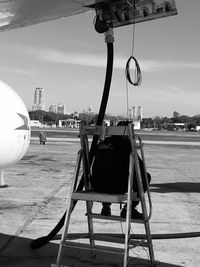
column 38, row 192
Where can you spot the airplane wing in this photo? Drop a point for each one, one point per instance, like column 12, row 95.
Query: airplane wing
column 20, row 13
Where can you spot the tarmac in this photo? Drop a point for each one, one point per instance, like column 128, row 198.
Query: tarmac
column 38, row 193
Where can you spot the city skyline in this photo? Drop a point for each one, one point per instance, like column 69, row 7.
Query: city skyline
column 71, row 65
column 134, row 112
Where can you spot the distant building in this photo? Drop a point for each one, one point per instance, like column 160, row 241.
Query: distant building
column 61, row 109
column 38, row 99
column 137, row 125
column 176, row 114
column 70, row 123
column 53, row 108
column 76, row 114
column 174, row 126
column 136, row 116
column 139, row 114
column 134, row 113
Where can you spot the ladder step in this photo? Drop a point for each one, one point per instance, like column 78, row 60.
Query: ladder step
column 101, row 197
column 100, row 248
column 108, row 237
column 114, row 218
column 119, row 240
column 93, row 247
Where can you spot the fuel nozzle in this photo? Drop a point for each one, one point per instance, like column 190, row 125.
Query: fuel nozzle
column 103, row 15
column 100, row 25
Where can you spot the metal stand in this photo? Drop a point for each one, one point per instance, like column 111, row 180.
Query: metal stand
column 89, row 197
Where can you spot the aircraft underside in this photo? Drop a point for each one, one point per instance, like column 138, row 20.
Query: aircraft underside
column 20, row 13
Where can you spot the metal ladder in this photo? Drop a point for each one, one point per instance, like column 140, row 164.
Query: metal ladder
column 89, row 197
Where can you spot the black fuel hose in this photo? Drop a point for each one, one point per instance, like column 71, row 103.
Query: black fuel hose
column 42, row 241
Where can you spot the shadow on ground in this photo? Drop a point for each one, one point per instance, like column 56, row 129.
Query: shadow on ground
column 16, row 251
column 176, row 187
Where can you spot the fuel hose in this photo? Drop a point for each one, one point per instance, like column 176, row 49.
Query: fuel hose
column 42, row 241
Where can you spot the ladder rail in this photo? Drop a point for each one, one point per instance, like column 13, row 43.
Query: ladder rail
column 128, row 214
column 87, row 174
column 148, row 190
column 69, row 206
column 85, row 160
column 141, row 192
column 137, row 169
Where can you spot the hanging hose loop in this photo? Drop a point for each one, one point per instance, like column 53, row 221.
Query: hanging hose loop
column 138, row 75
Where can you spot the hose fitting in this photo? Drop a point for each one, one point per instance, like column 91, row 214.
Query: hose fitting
column 109, row 36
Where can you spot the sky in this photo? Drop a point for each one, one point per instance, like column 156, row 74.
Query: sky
column 67, row 58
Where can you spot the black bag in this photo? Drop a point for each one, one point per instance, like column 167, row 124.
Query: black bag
column 110, row 168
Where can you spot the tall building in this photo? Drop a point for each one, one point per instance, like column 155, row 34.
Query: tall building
column 133, row 113
column 137, row 114
column 38, row 99
column 140, row 115
column 61, row 109
column 53, row 108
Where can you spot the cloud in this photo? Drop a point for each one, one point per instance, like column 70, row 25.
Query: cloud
column 73, row 58
column 91, row 60
column 15, row 70
column 157, row 66
column 99, row 60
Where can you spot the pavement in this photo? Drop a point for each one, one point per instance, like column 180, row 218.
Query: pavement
column 38, row 194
